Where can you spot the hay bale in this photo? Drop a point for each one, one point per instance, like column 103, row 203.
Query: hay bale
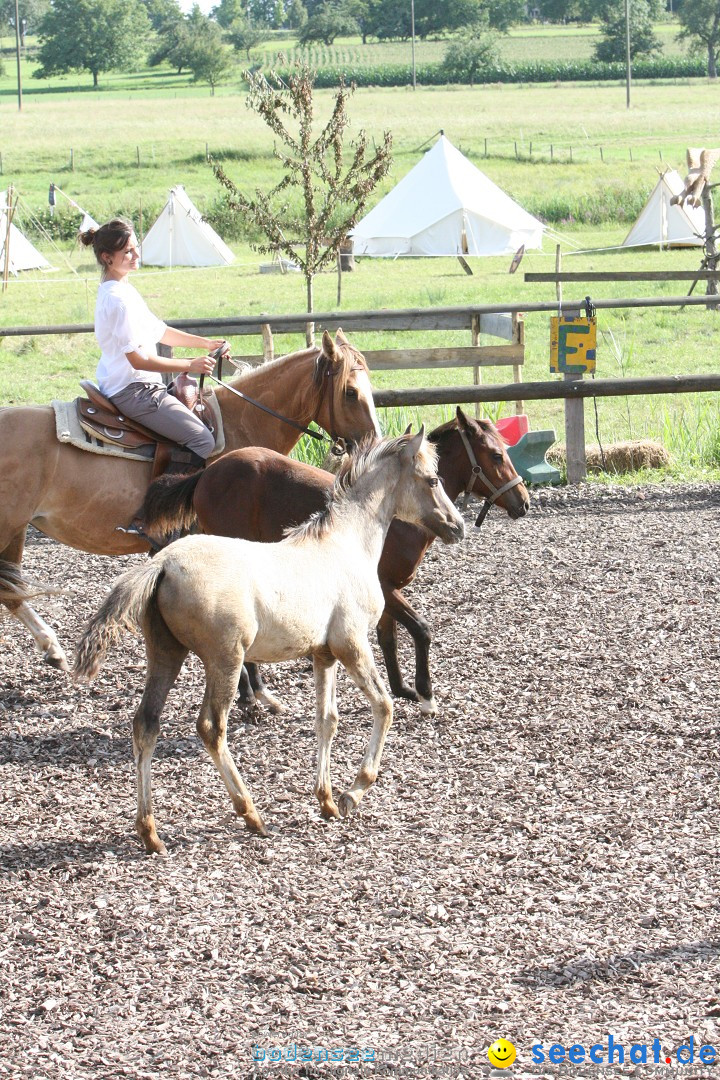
column 620, row 457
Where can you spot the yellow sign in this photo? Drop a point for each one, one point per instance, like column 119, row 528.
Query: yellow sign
column 572, row 345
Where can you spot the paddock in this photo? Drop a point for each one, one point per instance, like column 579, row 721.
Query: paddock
column 538, row 863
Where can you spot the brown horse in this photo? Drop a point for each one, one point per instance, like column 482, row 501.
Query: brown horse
column 254, row 494
column 80, row 498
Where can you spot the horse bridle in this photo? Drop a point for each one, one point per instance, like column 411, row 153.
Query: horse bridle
column 476, row 474
column 338, row 444
column 327, row 374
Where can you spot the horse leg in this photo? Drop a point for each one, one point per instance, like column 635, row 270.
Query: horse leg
column 419, row 630
column 261, row 692
column 222, row 677
column 326, row 722
column 387, row 640
column 360, row 666
column 165, row 656
column 43, row 635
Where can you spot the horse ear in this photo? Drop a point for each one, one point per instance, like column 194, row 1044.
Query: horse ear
column 328, row 346
column 340, row 338
column 416, row 441
column 407, row 430
column 462, row 419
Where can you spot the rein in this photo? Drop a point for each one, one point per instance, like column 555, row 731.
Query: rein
column 494, row 493
column 338, row 446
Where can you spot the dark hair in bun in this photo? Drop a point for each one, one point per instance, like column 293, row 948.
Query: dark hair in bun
column 108, row 238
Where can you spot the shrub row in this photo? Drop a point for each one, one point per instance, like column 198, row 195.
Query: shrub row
column 531, row 72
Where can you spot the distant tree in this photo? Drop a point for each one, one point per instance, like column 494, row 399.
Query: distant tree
column 330, row 21
column 296, row 14
column 502, row 14
column 91, row 35
column 643, row 39
column 228, row 11
column 31, row 12
column 244, row 35
column 162, row 13
column 333, row 193
column 700, row 21
column 266, row 12
column 470, row 54
column 210, row 61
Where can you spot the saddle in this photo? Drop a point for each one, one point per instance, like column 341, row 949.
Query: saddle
column 102, row 420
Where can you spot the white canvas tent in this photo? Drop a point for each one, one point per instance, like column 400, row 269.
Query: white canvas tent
column 662, row 222
column 446, row 206
column 23, row 255
column 180, row 237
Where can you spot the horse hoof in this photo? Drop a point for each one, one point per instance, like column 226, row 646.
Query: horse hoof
column 256, row 826
column 329, row 811
column 56, row 658
column 271, row 703
column 155, row 847
column 347, row 804
column 428, row 706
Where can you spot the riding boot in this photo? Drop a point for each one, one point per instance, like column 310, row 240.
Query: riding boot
column 196, row 462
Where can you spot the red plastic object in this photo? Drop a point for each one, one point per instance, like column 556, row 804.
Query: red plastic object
column 512, row 428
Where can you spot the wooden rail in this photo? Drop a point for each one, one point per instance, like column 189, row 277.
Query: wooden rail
column 625, row 275
column 543, row 391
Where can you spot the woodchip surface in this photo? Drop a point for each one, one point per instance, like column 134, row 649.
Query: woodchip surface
column 539, row 862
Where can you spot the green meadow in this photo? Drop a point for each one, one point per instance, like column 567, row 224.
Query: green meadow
column 119, row 150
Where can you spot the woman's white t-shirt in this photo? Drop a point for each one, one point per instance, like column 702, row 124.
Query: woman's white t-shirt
column 123, row 324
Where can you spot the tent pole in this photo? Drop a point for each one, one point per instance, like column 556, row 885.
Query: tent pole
column 9, row 211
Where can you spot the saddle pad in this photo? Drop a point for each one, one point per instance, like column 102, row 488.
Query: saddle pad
column 68, row 430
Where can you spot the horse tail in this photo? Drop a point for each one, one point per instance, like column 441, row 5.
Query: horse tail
column 123, row 609
column 14, row 588
column 168, row 505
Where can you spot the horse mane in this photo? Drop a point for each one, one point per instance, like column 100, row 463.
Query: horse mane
column 364, row 456
column 350, row 359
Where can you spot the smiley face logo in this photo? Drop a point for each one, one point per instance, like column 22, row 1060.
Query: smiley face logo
column 501, row 1053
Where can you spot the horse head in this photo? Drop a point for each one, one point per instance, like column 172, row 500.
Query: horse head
column 423, row 499
column 345, row 406
column 474, row 459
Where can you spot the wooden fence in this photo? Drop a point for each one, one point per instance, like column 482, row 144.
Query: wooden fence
column 501, row 321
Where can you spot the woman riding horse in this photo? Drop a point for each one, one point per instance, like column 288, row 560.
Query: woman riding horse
column 130, row 371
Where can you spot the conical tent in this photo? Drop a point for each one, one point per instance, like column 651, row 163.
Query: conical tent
column 446, row 206
column 662, row 222
column 23, row 255
column 180, row 237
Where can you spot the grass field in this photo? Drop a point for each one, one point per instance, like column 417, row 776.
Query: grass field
column 105, row 129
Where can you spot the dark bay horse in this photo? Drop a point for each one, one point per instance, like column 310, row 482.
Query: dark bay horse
column 256, row 495
column 79, row 498
column 315, row 593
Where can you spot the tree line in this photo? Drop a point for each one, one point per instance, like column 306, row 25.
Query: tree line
column 104, row 35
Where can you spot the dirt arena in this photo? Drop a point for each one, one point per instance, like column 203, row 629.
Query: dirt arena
column 539, row 862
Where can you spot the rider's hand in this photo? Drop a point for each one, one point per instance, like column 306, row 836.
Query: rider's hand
column 201, row 365
column 220, row 344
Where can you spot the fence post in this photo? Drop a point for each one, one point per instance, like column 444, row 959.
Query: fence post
column 518, row 338
column 710, row 249
column 268, row 344
column 477, row 375
column 574, row 411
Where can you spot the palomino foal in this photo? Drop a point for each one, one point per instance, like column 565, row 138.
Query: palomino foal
column 314, row 593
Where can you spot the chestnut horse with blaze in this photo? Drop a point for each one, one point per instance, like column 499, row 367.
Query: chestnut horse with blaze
column 80, row 498
column 255, row 494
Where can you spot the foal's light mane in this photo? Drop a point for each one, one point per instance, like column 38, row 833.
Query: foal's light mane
column 368, row 453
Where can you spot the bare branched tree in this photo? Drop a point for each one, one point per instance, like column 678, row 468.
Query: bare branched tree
column 333, row 193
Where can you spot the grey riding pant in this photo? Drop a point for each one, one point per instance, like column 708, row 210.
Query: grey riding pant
column 151, row 405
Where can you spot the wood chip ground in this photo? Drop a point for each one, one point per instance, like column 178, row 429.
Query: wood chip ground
column 539, row 862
